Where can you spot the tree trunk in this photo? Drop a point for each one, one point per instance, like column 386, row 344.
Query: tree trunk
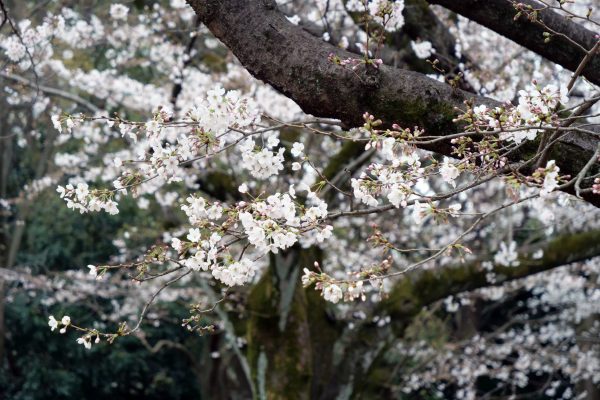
column 290, row 338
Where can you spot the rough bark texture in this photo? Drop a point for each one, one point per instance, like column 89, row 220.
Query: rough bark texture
column 498, row 15
column 296, row 63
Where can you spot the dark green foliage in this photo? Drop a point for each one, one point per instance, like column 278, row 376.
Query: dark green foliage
column 40, row 364
column 57, row 238
column 46, row 365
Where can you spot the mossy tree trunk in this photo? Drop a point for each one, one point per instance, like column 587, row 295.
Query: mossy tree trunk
column 290, row 337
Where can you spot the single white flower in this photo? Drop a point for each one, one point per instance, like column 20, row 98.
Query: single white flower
column 297, row 149
column 449, row 172
column 194, row 235
column 294, row 19
column 53, row 323
column 93, row 270
column 118, row 11
column 307, row 277
column 422, row 49
column 272, row 141
column 61, row 191
column 176, row 244
column 66, row 321
column 70, row 124
column 332, row 293
column 551, row 179
column 85, row 341
column 56, row 123
column 419, row 212
column 507, row 255
column 355, row 290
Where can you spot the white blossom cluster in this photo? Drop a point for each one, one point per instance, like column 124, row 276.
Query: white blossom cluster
column 270, row 226
column 387, row 13
column 524, row 347
column 261, row 163
column 82, row 199
column 277, row 223
column 423, row 49
column 507, row 255
column 211, row 119
column 536, row 107
column 223, row 110
column 550, row 178
column 334, row 291
column 235, row 274
column 278, row 218
column 400, row 177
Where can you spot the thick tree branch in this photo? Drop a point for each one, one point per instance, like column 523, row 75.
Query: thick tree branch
column 422, row 23
column 499, row 15
column 422, row 288
column 296, row 63
column 425, row 287
column 51, row 91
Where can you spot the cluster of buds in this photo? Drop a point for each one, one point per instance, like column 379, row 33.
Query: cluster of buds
column 334, row 290
column 354, row 63
column 67, row 120
column 86, row 340
column 63, row 323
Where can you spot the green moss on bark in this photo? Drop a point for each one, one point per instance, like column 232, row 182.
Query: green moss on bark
column 288, row 369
